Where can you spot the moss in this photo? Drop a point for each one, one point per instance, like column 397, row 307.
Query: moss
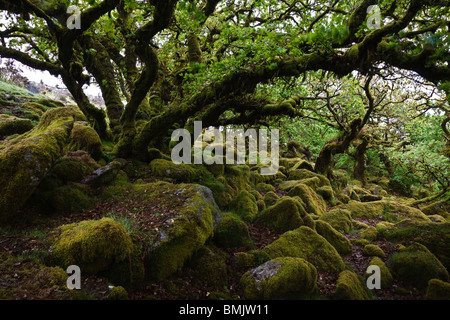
column 49, row 103
column 270, row 198
column 306, row 243
column 264, row 187
column 389, row 210
column 326, row 192
column 386, row 278
column 93, row 245
column 130, row 272
column 314, row 203
column 36, row 107
column 83, row 137
column 301, row 174
column 72, row 197
column 179, row 172
column 437, row 290
column 281, row 278
column 359, row 242
column 435, row 236
column 118, row 293
column 232, row 232
column 256, row 194
column 286, row 214
column 209, row 266
column 26, row 279
column 417, row 265
column 245, row 205
column 26, row 160
column 71, row 167
column 289, row 184
column 335, row 238
column 372, row 250
column 369, row 233
column 303, row 164
column 436, row 208
column 261, row 205
column 349, row 287
column 339, row 219
column 10, row 125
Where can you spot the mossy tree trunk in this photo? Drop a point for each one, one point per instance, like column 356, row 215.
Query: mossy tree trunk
column 360, row 155
column 324, row 162
column 98, row 63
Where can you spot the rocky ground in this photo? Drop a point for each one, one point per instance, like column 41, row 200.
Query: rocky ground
column 162, row 231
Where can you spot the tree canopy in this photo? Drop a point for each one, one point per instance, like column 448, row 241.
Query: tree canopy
column 349, row 67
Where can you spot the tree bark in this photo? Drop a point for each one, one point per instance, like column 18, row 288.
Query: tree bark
column 324, row 161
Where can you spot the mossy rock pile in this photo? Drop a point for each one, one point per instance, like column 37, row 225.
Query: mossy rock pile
column 25, row 161
column 279, row 279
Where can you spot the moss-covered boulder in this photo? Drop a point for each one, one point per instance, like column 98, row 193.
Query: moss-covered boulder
column 265, row 187
column 306, row 243
column 335, row 238
column 370, row 233
column 178, row 172
column 232, row 232
column 372, row 250
column 350, row 287
column 26, row 160
column 71, row 197
column 387, row 209
column 417, row 265
column 301, row 174
column 71, row 167
column 183, row 233
column 286, row 214
column 437, row 290
column 278, row 279
column 10, row 125
column 386, row 278
column 339, row 219
column 105, row 175
column 93, row 245
column 209, row 266
column 84, row 137
column 118, row 293
column 314, row 203
column 270, row 198
column 326, row 192
column 244, row 205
